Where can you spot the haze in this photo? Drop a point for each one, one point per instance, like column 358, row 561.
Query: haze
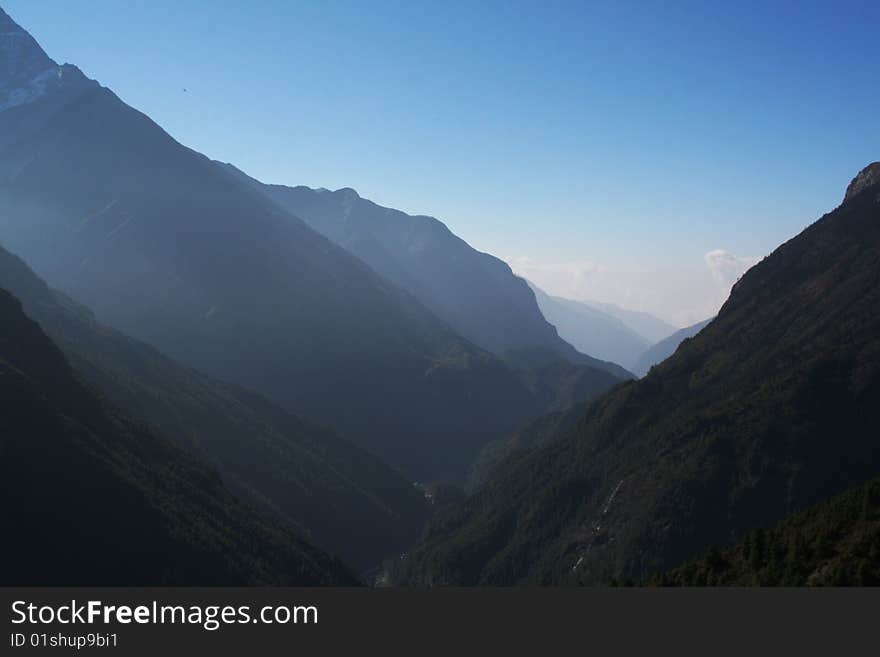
column 614, row 151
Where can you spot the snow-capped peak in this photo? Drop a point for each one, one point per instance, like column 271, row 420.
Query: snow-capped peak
column 26, row 71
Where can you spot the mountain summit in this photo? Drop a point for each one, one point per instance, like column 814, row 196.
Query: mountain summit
column 867, row 177
column 26, row 71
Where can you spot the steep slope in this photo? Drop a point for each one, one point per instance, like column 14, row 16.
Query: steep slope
column 564, row 388
column 590, row 330
column 773, row 407
column 345, row 500
column 87, row 496
column 162, row 244
column 646, row 325
column 26, row 72
column 666, row 347
column 537, row 433
column 475, row 293
column 836, row 543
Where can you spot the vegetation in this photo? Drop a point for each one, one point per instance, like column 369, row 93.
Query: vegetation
column 836, row 543
column 90, row 497
column 535, row 434
column 770, row 409
column 343, row 498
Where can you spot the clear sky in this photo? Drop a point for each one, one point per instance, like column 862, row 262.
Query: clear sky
column 630, row 139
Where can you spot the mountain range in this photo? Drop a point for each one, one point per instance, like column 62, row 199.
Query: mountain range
column 474, row 293
column 128, row 506
column 768, row 410
column 342, row 498
column 595, row 331
column 652, row 328
column 547, row 428
column 173, row 249
column 210, row 380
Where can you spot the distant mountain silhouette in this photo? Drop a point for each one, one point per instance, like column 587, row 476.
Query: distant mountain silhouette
column 164, row 245
column 344, row 499
column 645, row 324
column 91, row 497
column 475, row 293
column 666, row 347
column 592, row 331
column 772, row 408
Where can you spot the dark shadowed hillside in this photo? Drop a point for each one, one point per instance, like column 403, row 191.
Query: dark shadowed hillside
column 165, row 246
column 91, row 497
column 836, row 543
column 346, row 500
column 772, row 408
column 666, row 347
column 533, row 435
column 566, row 390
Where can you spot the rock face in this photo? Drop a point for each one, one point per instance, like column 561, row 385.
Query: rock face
column 868, row 177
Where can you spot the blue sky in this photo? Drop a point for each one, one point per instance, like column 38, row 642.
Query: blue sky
column 630, row 137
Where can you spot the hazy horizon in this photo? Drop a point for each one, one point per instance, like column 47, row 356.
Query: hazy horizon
column 615, row 152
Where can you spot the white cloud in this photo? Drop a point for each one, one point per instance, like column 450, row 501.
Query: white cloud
column 680, row 295
column 727, row 268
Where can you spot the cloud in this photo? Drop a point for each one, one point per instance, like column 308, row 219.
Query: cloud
column 681, row 295
column 726, row 268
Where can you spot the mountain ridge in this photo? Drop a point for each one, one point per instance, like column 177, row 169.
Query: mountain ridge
column 476, row 293
column 770, row 409
column 131, row 507
column 592, row 330
column 662, row 350
column 342, row 498
column 164, row 246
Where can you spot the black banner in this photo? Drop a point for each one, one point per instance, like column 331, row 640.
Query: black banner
column 222, row 621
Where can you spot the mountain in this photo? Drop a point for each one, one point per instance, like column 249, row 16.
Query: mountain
column 666, row 347
column 565, row 390
column 644, row 324
column 475, row 293
column 537, row 433
column 770, row 409
column 836, row 543
column 91, row 497
column 167, row 247
column 26, row 72
column 345, row 500
column 590, row 330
